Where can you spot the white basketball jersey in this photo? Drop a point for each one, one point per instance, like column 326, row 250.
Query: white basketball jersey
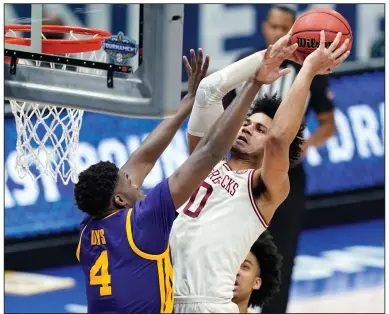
column 213, row 234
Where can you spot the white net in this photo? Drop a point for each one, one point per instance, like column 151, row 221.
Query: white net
column 48, row 136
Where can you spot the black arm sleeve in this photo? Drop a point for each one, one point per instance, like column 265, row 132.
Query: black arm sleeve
column 321, row 99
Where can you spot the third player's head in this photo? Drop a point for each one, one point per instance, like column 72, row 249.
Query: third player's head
column 259, row 276
column 103, row 188
column 278, row 22
column 250, row 142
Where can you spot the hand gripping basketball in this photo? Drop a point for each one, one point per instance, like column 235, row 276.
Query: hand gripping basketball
column 323, row 59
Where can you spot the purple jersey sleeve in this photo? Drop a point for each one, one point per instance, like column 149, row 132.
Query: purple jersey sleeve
column 152, row 219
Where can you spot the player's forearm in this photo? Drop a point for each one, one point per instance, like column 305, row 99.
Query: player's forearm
column 158, row 140
column 289, row 115
column 222, row 134
column 208, row 106
column 240, row 71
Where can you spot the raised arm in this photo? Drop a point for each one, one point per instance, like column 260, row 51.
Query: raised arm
column 216, row 143
column 289, row 116
column 144, row 158
column 208, row 103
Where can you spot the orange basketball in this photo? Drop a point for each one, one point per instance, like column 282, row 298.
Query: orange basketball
column 306, row 30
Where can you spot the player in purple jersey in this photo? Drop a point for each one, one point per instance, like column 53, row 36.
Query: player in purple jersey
column 123, row 247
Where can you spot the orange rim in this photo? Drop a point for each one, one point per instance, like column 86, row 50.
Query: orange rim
column 60, row 46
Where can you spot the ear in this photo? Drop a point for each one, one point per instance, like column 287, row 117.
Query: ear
column 119, row 200
column 257, row 283
column 264, row 25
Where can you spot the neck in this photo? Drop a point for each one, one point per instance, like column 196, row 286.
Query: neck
column 243, row 306
column 236, row 162
column 109, row 212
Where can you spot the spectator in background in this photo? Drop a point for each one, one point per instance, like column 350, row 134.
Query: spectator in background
column 49, row 18
column 286, row 223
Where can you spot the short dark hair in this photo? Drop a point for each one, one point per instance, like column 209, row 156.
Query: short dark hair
column 285, row 9
column 269, row 106
column 270, row 262
column 94, row 190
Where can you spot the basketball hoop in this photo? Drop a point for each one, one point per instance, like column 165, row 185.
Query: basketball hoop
column 48, row 136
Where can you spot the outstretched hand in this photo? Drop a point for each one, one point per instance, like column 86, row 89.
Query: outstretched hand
column 293, row 57
column 196, row 70
column 269, row 70
column 323, row 59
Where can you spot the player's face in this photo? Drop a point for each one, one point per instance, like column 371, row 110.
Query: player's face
column 126, row 193
column 277, row 24
column 252, row 135
column 247, row 279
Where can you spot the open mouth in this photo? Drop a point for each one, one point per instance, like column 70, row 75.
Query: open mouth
column 243, row 139
column 235, row 287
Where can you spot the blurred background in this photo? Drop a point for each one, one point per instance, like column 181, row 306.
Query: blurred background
column 340, row 262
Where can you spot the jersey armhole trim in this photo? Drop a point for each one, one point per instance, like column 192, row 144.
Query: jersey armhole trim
column 133, row 246
column 252, row 199
column 79, row 241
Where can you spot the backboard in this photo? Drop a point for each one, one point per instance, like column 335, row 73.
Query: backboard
column 151, row 90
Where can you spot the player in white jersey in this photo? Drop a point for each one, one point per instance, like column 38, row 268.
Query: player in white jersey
column 217, row 226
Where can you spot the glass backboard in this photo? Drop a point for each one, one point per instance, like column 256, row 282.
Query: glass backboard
column 151, row 89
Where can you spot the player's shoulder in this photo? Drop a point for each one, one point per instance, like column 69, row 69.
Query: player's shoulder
column 222, row 164
column 109, row 220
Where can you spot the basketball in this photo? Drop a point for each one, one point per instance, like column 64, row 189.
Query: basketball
column 306, row 30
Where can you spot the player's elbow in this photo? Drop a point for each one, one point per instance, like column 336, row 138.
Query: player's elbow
column 212, row 153
column 209, row 88
column 211, row 148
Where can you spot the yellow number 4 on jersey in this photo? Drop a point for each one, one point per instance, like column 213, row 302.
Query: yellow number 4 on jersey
column 104, row 279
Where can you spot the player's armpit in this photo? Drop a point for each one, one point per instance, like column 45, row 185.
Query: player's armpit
column 275, row 167
column 271, row 198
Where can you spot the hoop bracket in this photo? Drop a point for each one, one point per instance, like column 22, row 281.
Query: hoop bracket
column 110, row 68
column 13, row 64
